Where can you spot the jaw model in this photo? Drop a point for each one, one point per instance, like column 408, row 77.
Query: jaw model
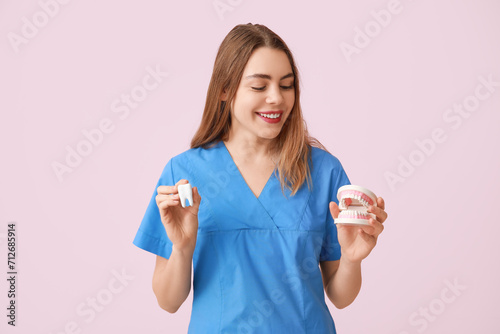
column 353, row 204
column 185, row 192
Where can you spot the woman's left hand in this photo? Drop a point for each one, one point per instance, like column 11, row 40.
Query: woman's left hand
column 357, row 241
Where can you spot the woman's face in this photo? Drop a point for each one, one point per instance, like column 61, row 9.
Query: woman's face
column 265, row 95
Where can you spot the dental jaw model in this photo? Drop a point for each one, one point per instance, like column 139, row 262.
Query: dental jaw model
column 185, row 192
column 353, row 204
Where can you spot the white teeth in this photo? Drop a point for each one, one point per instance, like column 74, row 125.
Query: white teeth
column 354, row 213
column 356, row 197
column 185, row 192
column 270, row 115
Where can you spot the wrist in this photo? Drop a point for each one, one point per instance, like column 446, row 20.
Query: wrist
column 185, row 251
column 346, row 262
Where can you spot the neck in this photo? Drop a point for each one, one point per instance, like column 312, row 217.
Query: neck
column 248, row 148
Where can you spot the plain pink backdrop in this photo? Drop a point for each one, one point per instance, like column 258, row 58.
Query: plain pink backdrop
column 368, row 109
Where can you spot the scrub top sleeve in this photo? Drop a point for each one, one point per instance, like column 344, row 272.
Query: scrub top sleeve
column 151, row 235
column 330, row 251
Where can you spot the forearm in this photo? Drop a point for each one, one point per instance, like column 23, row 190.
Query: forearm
column 344, row 285
column 172, row 283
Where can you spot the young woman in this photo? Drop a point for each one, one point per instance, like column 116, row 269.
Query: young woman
column 260, row 233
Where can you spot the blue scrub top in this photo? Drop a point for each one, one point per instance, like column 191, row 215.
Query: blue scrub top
column 256, row 260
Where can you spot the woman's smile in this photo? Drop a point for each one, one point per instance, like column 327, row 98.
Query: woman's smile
column 270, row 116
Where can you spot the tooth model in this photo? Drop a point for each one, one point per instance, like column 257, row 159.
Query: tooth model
column 185, row 192
column 353, row 204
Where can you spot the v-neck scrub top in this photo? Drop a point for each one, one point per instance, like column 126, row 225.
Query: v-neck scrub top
column 256, row 260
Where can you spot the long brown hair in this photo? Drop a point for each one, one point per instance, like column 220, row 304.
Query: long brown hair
column 293, row 144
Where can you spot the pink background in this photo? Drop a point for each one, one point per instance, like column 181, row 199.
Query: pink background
column 368, row 110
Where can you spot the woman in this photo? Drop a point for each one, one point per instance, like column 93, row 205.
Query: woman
column 260, row 233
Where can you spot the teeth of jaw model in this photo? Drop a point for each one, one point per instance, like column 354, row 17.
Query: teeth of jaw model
column 353, row 204
column 185, row 192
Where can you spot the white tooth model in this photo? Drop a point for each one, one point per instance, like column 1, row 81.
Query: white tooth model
column 355, row 212
column 185, row 192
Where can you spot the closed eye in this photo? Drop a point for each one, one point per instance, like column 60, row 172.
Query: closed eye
column 264, row 87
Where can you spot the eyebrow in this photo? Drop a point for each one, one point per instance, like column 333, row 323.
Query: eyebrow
column 266, row 76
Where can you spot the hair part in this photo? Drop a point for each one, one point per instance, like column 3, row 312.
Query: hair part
column 293, row 144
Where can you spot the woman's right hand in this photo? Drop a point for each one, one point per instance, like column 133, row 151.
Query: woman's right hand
column 181, row 224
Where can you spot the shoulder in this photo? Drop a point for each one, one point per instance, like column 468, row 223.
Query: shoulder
column 209, row 152
column 324, row 160
column 194, row 157
column 328, row 172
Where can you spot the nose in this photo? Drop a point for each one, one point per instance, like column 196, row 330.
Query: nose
column 274, row 95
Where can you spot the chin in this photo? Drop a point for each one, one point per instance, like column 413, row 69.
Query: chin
column 269, row 136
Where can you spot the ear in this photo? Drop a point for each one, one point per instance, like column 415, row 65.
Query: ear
column 223, row 95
